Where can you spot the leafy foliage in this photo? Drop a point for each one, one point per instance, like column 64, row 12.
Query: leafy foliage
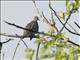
column 57, row 46
column 72, row 5
column 29, row 53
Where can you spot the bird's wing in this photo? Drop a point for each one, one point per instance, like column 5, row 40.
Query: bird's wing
column 33, row 26
column 29, row 25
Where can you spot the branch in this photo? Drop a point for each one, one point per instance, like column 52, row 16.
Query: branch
column 66, row 21
column 9, row 35
column 3, row 56
column 65, row 26
column 17, row 47
column 0, row 47
column 36, row 8
column 1, row 44
column 15, row 36
column 7, row 41
column 46, row 20
column 19, row 26
column 63, row 18
column 15, row 50
column 77, row 25
column 28, row 30
column 49, row 22
column 73, row 43
column 68, row 18
column 24, row 43
column 41, row 32
column 37, row 51
column 72, row 27
column 69, row 25
column 51, row 12
column 62, row 23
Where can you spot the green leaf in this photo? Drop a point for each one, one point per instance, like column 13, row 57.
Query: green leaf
column 43, row 50
column 38, row 41
column 46, row 53
column 29, row 53
column 67, row 12
column 67, row 2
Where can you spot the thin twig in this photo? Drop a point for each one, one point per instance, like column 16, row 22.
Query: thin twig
column 0, row 47
column 46, row 20
column 1, row 43
column 3, row 56
column 73, row 43
column 49, row 22
column 17, row 47
column 24, row 43
column 15, row 50
column 11, row 35
column 72, row 32
column 66, row 21
column 51, row 12
column 72, row 27
column 21, row 39
column 7, row 41
column 36, row 8
column 62, row 23
column 37, row 51
column 16, row 36
column 77, row 25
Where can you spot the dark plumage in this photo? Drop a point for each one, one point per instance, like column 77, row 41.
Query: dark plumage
column 33, row 25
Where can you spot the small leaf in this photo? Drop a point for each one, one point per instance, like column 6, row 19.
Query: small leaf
column 38, row 41
column 67, row 2
column 46, row 53
column 29, row 53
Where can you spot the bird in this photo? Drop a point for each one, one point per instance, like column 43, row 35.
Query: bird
column 33, row 26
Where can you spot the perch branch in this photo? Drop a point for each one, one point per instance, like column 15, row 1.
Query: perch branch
column 41, row 32
column 29, row 29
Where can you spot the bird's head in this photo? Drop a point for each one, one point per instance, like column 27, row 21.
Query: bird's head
column 36, row 18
